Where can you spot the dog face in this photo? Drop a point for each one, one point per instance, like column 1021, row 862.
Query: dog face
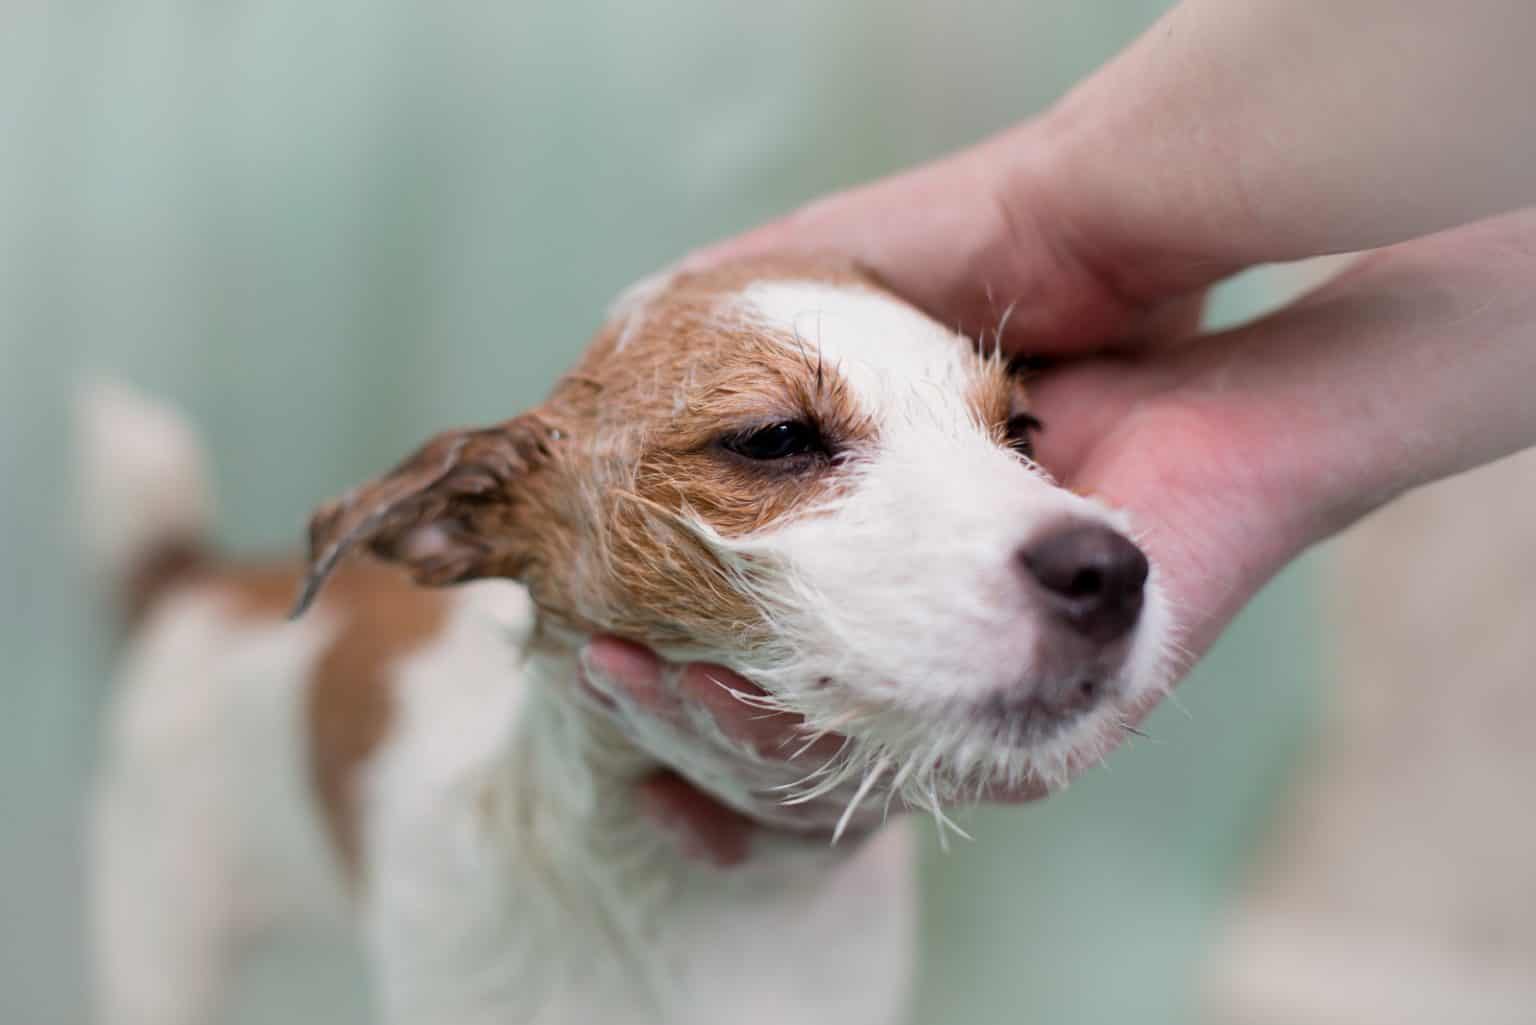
column 786, row 469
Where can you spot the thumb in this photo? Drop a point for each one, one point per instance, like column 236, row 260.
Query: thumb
column 973, row 240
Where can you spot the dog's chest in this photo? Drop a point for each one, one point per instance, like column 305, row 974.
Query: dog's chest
column 828, row 947
column 488, row 904
column 832, row 950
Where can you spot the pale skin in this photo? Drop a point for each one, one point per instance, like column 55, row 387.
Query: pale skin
column 1230, row 134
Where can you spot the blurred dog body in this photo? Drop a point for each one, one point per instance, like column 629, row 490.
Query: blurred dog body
column 780, row 468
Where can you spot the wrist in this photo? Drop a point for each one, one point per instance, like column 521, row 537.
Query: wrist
column 1413, row 365
column 1103, row 186
column 1040, row 258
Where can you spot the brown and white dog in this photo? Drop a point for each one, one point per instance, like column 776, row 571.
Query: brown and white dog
column 777, row 466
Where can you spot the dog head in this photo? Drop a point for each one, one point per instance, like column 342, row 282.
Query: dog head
column 784, row 468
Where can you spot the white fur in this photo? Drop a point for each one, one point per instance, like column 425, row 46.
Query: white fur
column 142, row 478
column 907, row 592
column 898, row 362
column 508, row 876
column 203, row 826
column 543, row 897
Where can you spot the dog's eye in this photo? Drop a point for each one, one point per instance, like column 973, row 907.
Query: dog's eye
column 1020, row 431
column 780, row 441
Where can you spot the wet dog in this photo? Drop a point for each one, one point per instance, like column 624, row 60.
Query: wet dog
column 778, row 466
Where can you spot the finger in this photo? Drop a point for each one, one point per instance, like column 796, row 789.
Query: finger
column 705, row 829
column 1170, row 323
column 613, row 669
column 737, row 706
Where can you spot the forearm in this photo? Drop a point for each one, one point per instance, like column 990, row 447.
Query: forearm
column 1235, row 133
column 1417, row 364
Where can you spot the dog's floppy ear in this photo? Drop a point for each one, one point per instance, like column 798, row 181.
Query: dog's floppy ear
column 447, row 513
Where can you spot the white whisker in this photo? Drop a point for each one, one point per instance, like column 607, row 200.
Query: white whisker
column 870, row 778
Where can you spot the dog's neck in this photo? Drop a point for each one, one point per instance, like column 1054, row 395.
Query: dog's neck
column 562, row 803
column 583, row 756
column 569, row 751
column 614, row 905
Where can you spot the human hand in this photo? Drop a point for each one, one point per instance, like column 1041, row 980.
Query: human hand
column 1094, row 229
column 974, row 240
column 1236, row 450
column 985, row 241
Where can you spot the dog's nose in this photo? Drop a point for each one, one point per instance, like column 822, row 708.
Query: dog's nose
column 1090, row 577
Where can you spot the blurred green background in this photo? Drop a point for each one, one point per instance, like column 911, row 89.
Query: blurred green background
column 329, row 228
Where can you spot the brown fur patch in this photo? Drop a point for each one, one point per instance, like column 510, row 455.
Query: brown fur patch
column 647, row 408
column 382, row 618
column 449, row 512
column 996, row 397
column 165, row 568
